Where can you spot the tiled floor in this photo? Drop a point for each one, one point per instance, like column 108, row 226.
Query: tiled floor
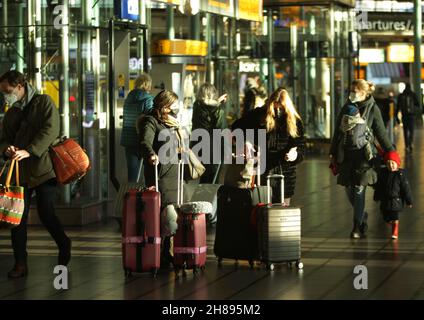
column 395, row 268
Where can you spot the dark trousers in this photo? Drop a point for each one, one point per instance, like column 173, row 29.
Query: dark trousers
column 133, row 165
column 45, row 194
column 408, row 129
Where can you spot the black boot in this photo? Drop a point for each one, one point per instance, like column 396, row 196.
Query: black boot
column 363, row 227
column 18, row 271
column 65, row 253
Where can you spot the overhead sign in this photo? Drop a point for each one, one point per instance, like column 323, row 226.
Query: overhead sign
column 250, row 10
column 350, row 3
column 180, row 47
column 402, row 53
column 372, row 55
column 221, row 7
column 126, row 9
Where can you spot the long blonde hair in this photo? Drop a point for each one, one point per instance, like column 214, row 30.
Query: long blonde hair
column 280, row 98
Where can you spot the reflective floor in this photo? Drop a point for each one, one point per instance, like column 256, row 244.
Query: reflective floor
column 395, row 268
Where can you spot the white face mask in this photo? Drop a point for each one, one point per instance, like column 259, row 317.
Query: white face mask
column 10, row 99
column 354, row 97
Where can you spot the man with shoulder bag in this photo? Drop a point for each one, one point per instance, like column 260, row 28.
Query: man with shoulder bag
column 30, row 126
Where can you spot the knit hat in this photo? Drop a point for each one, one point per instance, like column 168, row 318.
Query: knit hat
column 352, row 110
column 394, row 156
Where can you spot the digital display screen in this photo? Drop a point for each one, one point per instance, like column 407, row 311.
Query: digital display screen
column 127, row 9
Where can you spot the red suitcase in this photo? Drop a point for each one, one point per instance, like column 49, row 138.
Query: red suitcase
column 141, row 240
column 190, row 238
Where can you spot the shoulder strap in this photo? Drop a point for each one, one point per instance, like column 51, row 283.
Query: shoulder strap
column 367, row 112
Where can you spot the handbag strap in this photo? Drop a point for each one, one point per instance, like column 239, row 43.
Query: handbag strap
column 13, row 164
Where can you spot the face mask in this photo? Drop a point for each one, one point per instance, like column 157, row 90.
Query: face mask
column 354, row 97
column 10, row 99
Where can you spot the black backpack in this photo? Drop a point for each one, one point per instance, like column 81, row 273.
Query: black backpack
column 360, row 135
column 407, row 104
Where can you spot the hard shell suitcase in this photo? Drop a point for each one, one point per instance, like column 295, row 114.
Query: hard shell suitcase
column 123, row 189
column 235, row 237
column 279, row 231
column 190, row 239
column 141, row 230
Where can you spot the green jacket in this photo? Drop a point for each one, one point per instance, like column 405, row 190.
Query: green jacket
column 353, row 168
column 33, row 129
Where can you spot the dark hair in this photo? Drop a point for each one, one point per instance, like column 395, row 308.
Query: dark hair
column 14, row 78
column 163, row 99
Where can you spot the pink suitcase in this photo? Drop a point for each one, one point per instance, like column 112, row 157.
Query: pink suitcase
column 190, row 239
column 141, row 240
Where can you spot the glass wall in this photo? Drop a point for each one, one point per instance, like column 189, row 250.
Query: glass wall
column 311, row 59
column 62, row 47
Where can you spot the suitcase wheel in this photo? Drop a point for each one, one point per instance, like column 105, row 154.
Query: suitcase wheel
column 299, row 265
column 219, row 262
column 154, row 272
column 128, row 272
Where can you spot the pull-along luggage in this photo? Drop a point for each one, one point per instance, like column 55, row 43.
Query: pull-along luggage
column 190, row 239
column 279, row 231
column 141, row 230
column 235, row 237
column 123, row 189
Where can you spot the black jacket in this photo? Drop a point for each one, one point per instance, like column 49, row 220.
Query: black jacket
column 393, row 190
column 148, row 128
column 277, row 147
column 208, row 117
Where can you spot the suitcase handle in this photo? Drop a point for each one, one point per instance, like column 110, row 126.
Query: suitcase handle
column 268, row 184
column 180, row 183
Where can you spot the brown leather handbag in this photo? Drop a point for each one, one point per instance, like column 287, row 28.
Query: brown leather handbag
column 70, row 162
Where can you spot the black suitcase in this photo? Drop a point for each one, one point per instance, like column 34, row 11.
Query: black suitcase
column 279, row 231
column 235, row 238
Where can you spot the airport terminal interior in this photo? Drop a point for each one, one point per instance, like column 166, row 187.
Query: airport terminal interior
column 87, row 54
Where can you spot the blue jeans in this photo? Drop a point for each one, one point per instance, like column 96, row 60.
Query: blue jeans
column 356, row 195
column 408, row 129
column 133, row 165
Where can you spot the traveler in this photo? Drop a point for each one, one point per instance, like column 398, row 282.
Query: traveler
column 284, row 137
column 138, row 102
column 208, row 115
column 30, row 126
column 352, row 160
column 408, row 105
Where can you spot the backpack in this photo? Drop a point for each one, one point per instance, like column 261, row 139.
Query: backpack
column 407, row 104
column 360, row 135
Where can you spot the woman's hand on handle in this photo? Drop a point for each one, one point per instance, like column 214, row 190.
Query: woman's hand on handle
column 153, row 160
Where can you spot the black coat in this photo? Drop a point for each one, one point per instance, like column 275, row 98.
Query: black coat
column 393, row 190
column 275, row 163
column 148, row 128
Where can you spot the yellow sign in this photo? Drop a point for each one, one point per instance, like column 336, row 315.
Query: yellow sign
column 402, row 53
column 224, row 4
column 177, row 2
column 180, row 47
column 250, row 10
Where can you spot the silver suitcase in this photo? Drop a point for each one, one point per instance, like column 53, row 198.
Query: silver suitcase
column 279, row 231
